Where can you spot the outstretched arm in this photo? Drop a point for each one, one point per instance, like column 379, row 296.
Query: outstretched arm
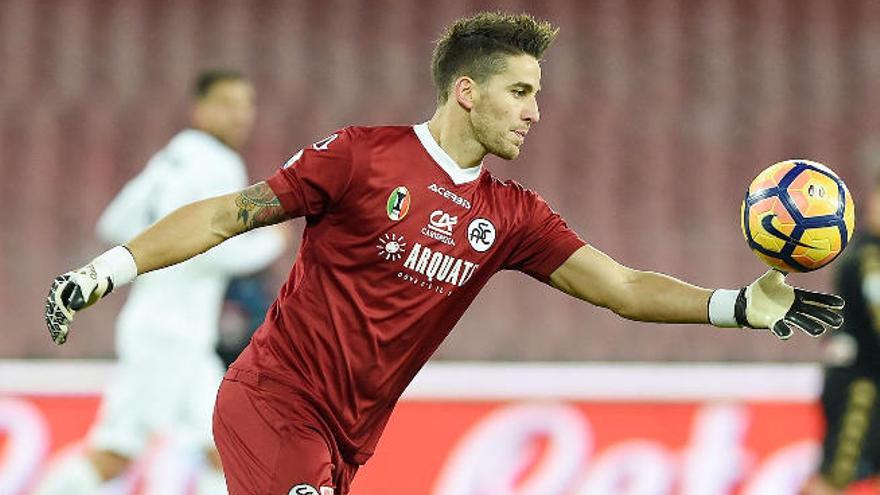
column 197, row 227
column 183, row 234
column 768, row 302
column 593, row 276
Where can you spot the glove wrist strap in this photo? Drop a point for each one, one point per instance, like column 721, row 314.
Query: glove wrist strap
column 739, row 309
column 118, row 264
column 723, row 308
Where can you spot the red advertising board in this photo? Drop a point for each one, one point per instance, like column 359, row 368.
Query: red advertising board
column 437, row 444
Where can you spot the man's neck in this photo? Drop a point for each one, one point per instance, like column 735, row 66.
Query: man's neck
column 456, row 138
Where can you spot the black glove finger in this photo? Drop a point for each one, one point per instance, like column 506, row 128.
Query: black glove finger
column 76, row 300
column 809, row 325
column 782, row 330
column 829, row 317
column 832, row 301
column 67, row 292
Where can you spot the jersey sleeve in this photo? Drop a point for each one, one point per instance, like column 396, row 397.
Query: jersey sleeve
column 316, row 178
column 545, row 241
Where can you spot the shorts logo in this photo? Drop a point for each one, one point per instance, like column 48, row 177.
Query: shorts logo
column 481, row 234
column 391, row 247
column 398, row 203
column 304, row 489
column 440, row 227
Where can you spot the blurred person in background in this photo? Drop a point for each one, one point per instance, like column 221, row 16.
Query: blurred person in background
column 168, row 372
column 244, row 306
column 404, row 227
column 851, row 443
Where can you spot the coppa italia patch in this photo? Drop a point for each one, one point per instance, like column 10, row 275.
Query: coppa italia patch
column 398, row 203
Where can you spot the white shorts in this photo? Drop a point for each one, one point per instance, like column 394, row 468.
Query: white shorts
column 170, row 392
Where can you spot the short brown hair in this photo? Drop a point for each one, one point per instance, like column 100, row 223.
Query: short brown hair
column 477, row 46
column 208, row 78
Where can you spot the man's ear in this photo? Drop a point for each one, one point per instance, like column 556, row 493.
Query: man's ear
column 466, row 92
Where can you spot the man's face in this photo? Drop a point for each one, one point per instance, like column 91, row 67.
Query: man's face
column 505, row 106
column 227, row 111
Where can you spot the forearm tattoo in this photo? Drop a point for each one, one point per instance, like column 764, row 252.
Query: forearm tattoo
column 258, row 206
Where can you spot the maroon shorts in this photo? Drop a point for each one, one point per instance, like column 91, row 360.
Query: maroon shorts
column 272, row 442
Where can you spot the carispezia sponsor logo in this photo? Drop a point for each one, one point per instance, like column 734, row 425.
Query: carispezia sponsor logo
column 446, row 193
column 440, row 225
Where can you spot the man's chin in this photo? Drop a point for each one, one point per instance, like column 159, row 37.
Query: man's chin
column 507, row 154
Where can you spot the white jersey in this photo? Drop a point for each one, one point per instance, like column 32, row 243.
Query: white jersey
column 177, row 308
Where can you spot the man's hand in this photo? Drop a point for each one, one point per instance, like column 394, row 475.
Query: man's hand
column 81, row 288
column 771, row 303
column 72, row 292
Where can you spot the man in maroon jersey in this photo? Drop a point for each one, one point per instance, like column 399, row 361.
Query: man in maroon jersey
column 404, row 227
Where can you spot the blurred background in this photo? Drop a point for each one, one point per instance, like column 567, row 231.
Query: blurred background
column 656, row 114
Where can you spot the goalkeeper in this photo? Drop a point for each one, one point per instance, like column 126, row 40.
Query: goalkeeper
column 404, row 228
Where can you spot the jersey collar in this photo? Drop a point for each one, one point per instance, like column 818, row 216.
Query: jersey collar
column 457, row 174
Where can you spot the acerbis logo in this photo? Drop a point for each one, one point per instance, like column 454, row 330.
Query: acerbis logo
column 293, row 159
column 391, row 247
column 440, row 225
column 303, row 489
column 398, row 203
column 325, row 143
column 767, row 223
column 446, row 193
column 481, row 234
column 318, row 146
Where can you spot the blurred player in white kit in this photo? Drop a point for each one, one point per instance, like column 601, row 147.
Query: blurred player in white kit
column 168, row 372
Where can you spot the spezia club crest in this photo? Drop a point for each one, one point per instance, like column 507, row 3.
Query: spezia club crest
column 398, row 203
column 481, row 234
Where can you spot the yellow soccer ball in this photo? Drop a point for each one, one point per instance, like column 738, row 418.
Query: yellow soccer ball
column 797, row 216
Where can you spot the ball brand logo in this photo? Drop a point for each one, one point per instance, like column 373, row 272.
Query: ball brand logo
column 391, row 247
column 816, row 191
column 481, row 234
column 767, row 223
column 398, row 203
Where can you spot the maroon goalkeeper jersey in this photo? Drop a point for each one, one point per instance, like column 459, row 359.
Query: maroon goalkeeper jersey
column 398, row 242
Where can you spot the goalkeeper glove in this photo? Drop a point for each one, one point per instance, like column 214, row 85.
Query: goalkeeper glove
column 81, row 288
column 770, row 303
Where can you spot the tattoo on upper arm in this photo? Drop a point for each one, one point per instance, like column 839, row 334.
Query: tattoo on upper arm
column 258, row 206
